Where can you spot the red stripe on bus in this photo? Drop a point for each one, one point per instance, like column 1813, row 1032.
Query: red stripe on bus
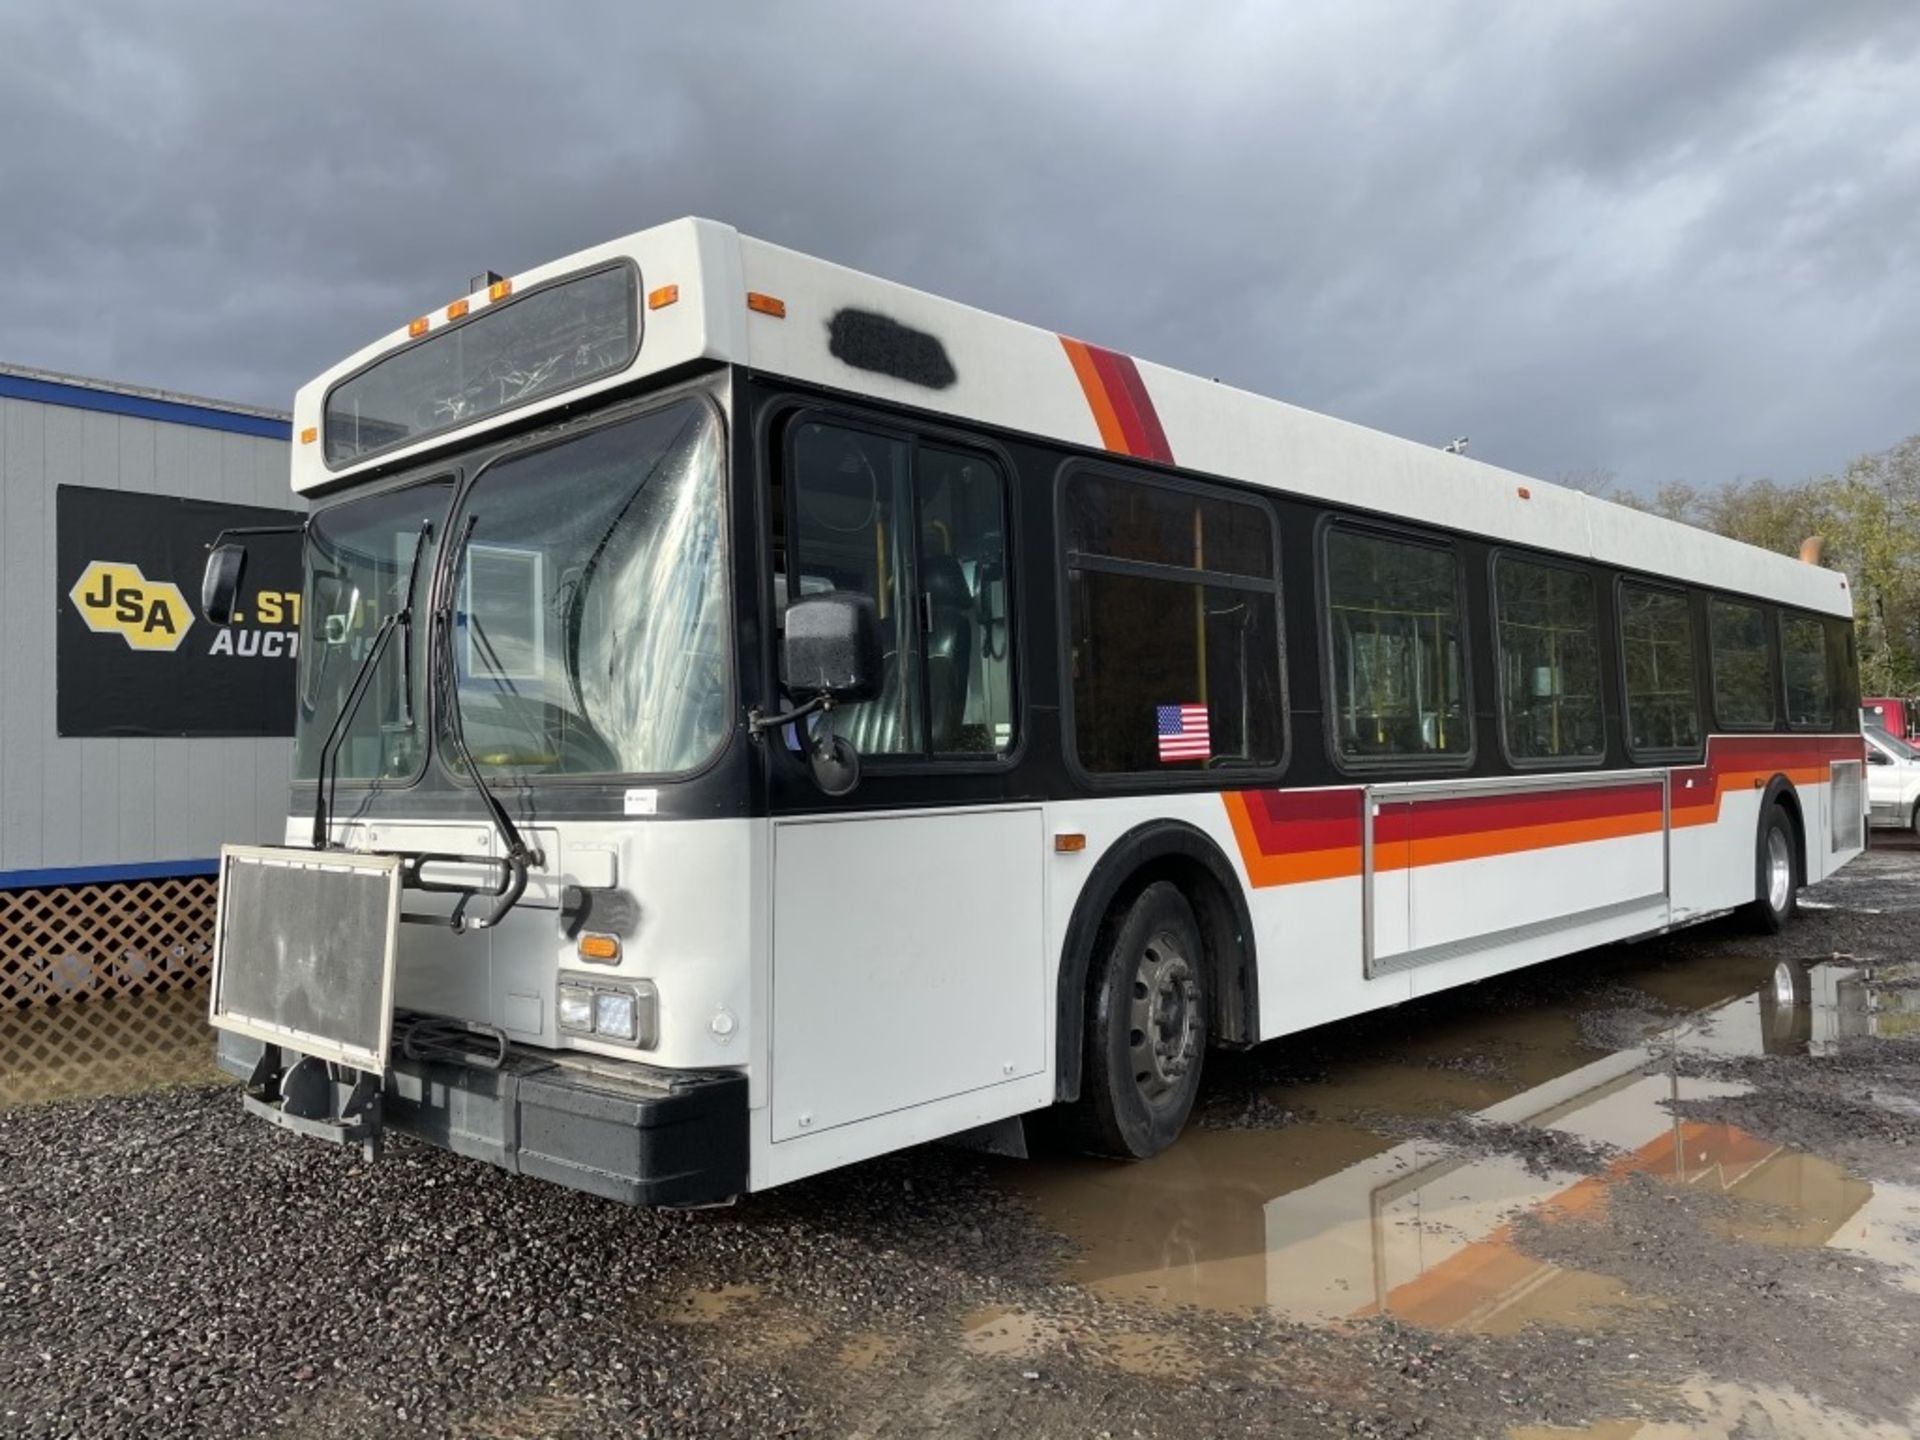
column 1122, row 410
column 1469, row 814
column 1153, row 439
column 1305, row 819
column 1289, row 836
column 1111, row 379
column 1080, row 355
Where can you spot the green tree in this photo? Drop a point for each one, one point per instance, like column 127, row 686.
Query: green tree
column 1869, row 516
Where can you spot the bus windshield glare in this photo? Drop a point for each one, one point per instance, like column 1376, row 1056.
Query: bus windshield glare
column 590, row 605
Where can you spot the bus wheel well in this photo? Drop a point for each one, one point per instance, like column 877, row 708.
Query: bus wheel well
column 1189, row 859
column 1780, row 792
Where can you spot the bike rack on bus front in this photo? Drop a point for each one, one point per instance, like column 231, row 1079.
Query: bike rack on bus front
column 512, row 883
column 301, row 1097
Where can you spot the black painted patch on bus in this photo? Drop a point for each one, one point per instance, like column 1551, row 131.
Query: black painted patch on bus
column 869, row 341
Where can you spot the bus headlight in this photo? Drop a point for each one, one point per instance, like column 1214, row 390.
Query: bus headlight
column 613, row 1014
column 621, row 1011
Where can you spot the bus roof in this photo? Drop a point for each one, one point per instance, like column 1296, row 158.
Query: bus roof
column 824, row 324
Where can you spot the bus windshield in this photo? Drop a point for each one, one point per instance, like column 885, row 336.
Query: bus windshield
column 590, row 604
column 359, row 555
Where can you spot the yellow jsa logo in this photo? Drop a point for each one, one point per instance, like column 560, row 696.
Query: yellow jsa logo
column 117, row 599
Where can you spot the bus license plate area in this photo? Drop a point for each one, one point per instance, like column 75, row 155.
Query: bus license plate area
column 304, row 951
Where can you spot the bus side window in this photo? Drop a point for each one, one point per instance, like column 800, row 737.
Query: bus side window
column 922, row 529
column 1663, row 693
column 1173, row 627
column 1548, row 626
column 1809, row 672
column 1742, row 665
column 1398, row 649
column 852, row 530
column 963, row 575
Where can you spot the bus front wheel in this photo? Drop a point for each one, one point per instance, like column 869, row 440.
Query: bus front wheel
column 1147, row 1008
column 1777, row 875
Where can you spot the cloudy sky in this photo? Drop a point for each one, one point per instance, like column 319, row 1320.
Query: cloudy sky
column 1663, row 241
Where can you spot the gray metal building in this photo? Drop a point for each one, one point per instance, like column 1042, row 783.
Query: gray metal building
column 82, row 811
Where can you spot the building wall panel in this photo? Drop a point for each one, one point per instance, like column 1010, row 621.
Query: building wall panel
column 84, row 804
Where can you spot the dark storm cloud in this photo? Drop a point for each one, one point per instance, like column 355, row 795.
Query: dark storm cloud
column 1661, row 240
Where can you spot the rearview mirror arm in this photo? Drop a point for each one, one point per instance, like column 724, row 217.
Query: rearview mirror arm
column 222, row 537
column 758, row 724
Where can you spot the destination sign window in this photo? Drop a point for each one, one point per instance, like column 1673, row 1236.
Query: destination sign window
column 509, row 354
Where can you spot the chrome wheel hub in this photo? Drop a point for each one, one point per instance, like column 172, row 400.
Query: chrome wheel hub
column 1779, row 871
column 1164, row 1023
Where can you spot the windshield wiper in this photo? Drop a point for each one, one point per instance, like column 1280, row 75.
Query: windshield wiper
column 326, row 774
column 519, row 856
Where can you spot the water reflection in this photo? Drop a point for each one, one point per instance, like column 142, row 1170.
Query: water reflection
column 1722, row 1410
column 1326, row 1219
column 1814, row 1009
column 80, row 1049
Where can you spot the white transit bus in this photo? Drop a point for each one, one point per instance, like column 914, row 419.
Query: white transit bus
column 754, row 716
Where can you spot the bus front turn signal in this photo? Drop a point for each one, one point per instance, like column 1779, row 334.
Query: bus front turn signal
column 604, row 948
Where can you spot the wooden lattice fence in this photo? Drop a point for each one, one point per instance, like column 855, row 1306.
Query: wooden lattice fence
column 105, row 1046
column 122, row 938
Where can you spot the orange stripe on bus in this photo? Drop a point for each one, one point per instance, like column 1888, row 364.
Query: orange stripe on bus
column 1112, row 434
column 1270, row 837
column 1478, row 845
column 1293, row 866
column 1701, row 804
column 1288, row 867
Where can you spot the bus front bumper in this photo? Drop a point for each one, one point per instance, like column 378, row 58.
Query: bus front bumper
column 632, row 1133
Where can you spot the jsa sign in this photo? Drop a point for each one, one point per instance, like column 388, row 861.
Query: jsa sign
column 134, row 658
column 117, row 599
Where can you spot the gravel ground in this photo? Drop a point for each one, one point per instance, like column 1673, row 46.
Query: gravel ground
column 168, row 1267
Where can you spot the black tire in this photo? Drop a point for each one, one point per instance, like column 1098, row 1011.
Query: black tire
column 1770, row 912
column 1147, row 1010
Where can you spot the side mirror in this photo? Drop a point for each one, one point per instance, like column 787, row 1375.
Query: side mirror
column 834, row 763
column 220, row 582
column 1877, row 757
column 832, row 648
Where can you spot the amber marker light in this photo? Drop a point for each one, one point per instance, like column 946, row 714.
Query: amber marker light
column 605, row 948
column 1524, row 493
column 309, row 435
column 766, row 305
column 417, row 327
column 457, row 309
column 663, row 297
column 1069, row 842
column 499, row 290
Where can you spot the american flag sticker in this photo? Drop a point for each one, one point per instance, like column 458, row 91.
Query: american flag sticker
column 1183, row 732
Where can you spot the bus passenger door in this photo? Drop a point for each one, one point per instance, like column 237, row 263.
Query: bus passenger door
column 909, row 961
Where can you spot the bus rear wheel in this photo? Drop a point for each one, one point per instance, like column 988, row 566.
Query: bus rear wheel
column 1147, row 1010
column 1777, row 874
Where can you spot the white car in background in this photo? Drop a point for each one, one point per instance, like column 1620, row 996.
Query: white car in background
column 1893, row 781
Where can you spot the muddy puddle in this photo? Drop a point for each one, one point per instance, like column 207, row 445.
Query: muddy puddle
column 83, row 1049
column 1391, row 1181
